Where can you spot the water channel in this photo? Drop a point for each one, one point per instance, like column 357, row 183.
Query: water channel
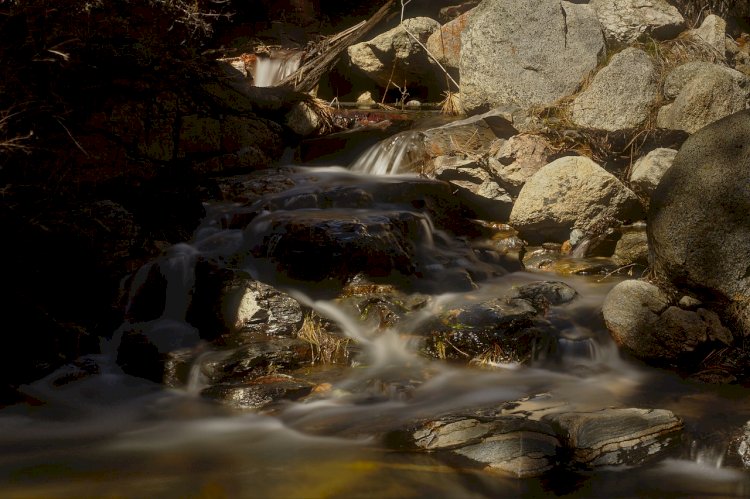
column 115, row 435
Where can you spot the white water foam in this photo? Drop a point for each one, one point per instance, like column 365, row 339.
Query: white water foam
column 269, row 71
column 393, row 155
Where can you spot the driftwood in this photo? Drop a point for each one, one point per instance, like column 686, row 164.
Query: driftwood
column 320, row 58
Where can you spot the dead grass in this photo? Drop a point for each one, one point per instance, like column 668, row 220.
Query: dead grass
column 327, row 348
column 12, row 144
column 324, row 111
column 495, row 356
column 451, row 104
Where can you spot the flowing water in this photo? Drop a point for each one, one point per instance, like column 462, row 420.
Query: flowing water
column 113, row 435
column 271, row 69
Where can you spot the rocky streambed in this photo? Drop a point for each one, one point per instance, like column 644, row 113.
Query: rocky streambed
column 547, row 295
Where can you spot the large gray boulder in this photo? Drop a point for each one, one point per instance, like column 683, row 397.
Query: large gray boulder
column 625, row 21
column 704, row 93
column 699, row 217
column 621, row 94
column 527, row 52
column 396, row 57
column 571, row 192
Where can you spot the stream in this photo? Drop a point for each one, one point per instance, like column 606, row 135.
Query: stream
column 110, row 434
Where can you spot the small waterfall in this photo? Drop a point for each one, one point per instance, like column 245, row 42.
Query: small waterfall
column 396, row 154
column 269, row 71
column 708, row 454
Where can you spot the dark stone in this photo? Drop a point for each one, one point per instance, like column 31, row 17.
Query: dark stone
column 698, row 224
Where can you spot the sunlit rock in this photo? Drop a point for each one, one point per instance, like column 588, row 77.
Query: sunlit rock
column 621, row 94
column 445, row 43
column 517, row 159
column 649, row 169
column 703, row 93
column 712, row 32
column 742, row 445
column 527, row 53
column 394, row 57
column 625, row 21
column 571, row 192
column 526, row 443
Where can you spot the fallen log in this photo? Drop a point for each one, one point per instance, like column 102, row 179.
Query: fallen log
column 322, row 56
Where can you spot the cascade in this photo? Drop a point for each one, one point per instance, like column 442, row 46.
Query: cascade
column 271, row 69
column 396, row 154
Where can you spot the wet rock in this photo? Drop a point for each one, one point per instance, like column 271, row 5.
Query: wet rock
column 516, row 160
column 625, row 21
column 258, row 394
column 615, row 436
column 145, row 347
column 340, row 243
column 410, row 194
column 571, row 192
column 509, row 444
column 544, row 294
column 704, row 93
column 177, row 368
column 383, row 306
column 742, row 445
column 259, row 357
column 524, row 451
column 395, row 57
column 621, row 94
column 526, row 439
column 698, row 228
column 507, row 330
column 251, row 187
column 648, row 171
column 527, row 53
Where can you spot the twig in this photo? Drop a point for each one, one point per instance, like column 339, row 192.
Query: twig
column 616, row 271
column 79, row 146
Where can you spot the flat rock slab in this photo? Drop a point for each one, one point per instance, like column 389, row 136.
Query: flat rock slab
column 528, row 443
column 615, row 436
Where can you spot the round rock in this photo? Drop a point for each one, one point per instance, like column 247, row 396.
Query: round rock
column 699, row 217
